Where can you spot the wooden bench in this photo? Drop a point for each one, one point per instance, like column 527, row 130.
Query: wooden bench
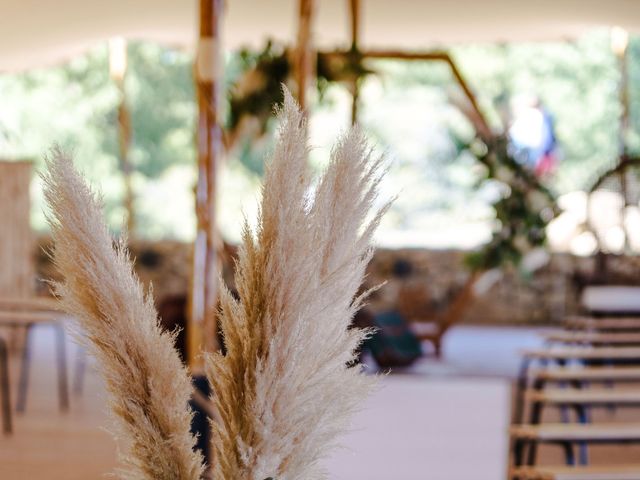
column 579, row 400
column 587, row 397
column 593, row 338
column 586, row 374
column 612, row 324
column 591, row 472
column 565, row 354
column 566, row 435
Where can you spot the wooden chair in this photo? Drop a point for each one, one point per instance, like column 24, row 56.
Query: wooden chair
column 432, row 327
column 27, row 319
column 20, row 309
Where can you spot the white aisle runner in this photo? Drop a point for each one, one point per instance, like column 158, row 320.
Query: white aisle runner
column 417, row 428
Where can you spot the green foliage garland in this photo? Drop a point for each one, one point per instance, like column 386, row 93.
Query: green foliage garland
column 522, row 211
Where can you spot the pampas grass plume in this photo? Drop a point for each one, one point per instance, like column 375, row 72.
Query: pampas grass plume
column 148, row 386
column 284, row 390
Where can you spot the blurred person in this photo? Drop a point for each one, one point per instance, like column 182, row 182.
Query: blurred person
column 532, row 135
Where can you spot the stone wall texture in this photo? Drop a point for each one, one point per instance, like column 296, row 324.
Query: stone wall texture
column 436, row 278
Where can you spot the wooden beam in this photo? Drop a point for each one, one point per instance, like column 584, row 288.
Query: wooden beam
column 354, row 11
column 208, row 76
column 304, row 66
column 484, row 130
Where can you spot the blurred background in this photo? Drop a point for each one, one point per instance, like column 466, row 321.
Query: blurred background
column 512, row 131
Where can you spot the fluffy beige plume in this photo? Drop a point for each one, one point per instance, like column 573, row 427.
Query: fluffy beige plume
column 283, row 390
column 149, row 388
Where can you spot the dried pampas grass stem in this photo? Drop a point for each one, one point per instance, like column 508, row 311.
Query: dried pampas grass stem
column 149, row 388
column 284, row 389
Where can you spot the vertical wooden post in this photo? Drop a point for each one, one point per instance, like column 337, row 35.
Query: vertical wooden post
column 619, row 44
column 355, row 38
column 208, row 73
column 118, row 71
column 304, row 64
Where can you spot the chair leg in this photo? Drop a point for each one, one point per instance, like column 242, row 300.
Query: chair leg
column 583, row 417
column 518, row 452
column 519, row 410
column 79, row 371
column 25, row 365
column 437, row 345
column 570, row 458
column 7, row 426
column 536, row 416
column 61, row 353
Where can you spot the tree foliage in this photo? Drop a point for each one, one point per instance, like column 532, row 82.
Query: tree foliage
column 405, row 106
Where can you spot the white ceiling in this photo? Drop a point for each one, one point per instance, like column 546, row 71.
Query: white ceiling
column 41, row 32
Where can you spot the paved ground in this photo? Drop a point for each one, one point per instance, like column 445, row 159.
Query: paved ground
column 438, row 420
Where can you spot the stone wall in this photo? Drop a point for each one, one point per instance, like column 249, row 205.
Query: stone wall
column 436, row 277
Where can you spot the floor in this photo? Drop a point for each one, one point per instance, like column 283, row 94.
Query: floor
column 442, row 420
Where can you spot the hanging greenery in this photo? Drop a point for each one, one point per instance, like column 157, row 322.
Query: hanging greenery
column 254, row 95
column 522, row 211
column 340, row 67
column 258, row 90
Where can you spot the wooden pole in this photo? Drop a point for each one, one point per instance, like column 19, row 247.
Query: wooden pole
column 619, row 44
column 355, row 38
column 203, row 296
column 124, row 127
column 118, row 71
column 304, row 66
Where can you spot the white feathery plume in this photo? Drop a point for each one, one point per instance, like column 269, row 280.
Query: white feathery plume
column 148, row 386
column 285, row 390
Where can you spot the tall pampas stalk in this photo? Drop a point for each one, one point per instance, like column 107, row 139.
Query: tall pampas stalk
column 148, row 386
column 284, row 390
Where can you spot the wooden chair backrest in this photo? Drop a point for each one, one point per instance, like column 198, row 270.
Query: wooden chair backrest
column 16, row 238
